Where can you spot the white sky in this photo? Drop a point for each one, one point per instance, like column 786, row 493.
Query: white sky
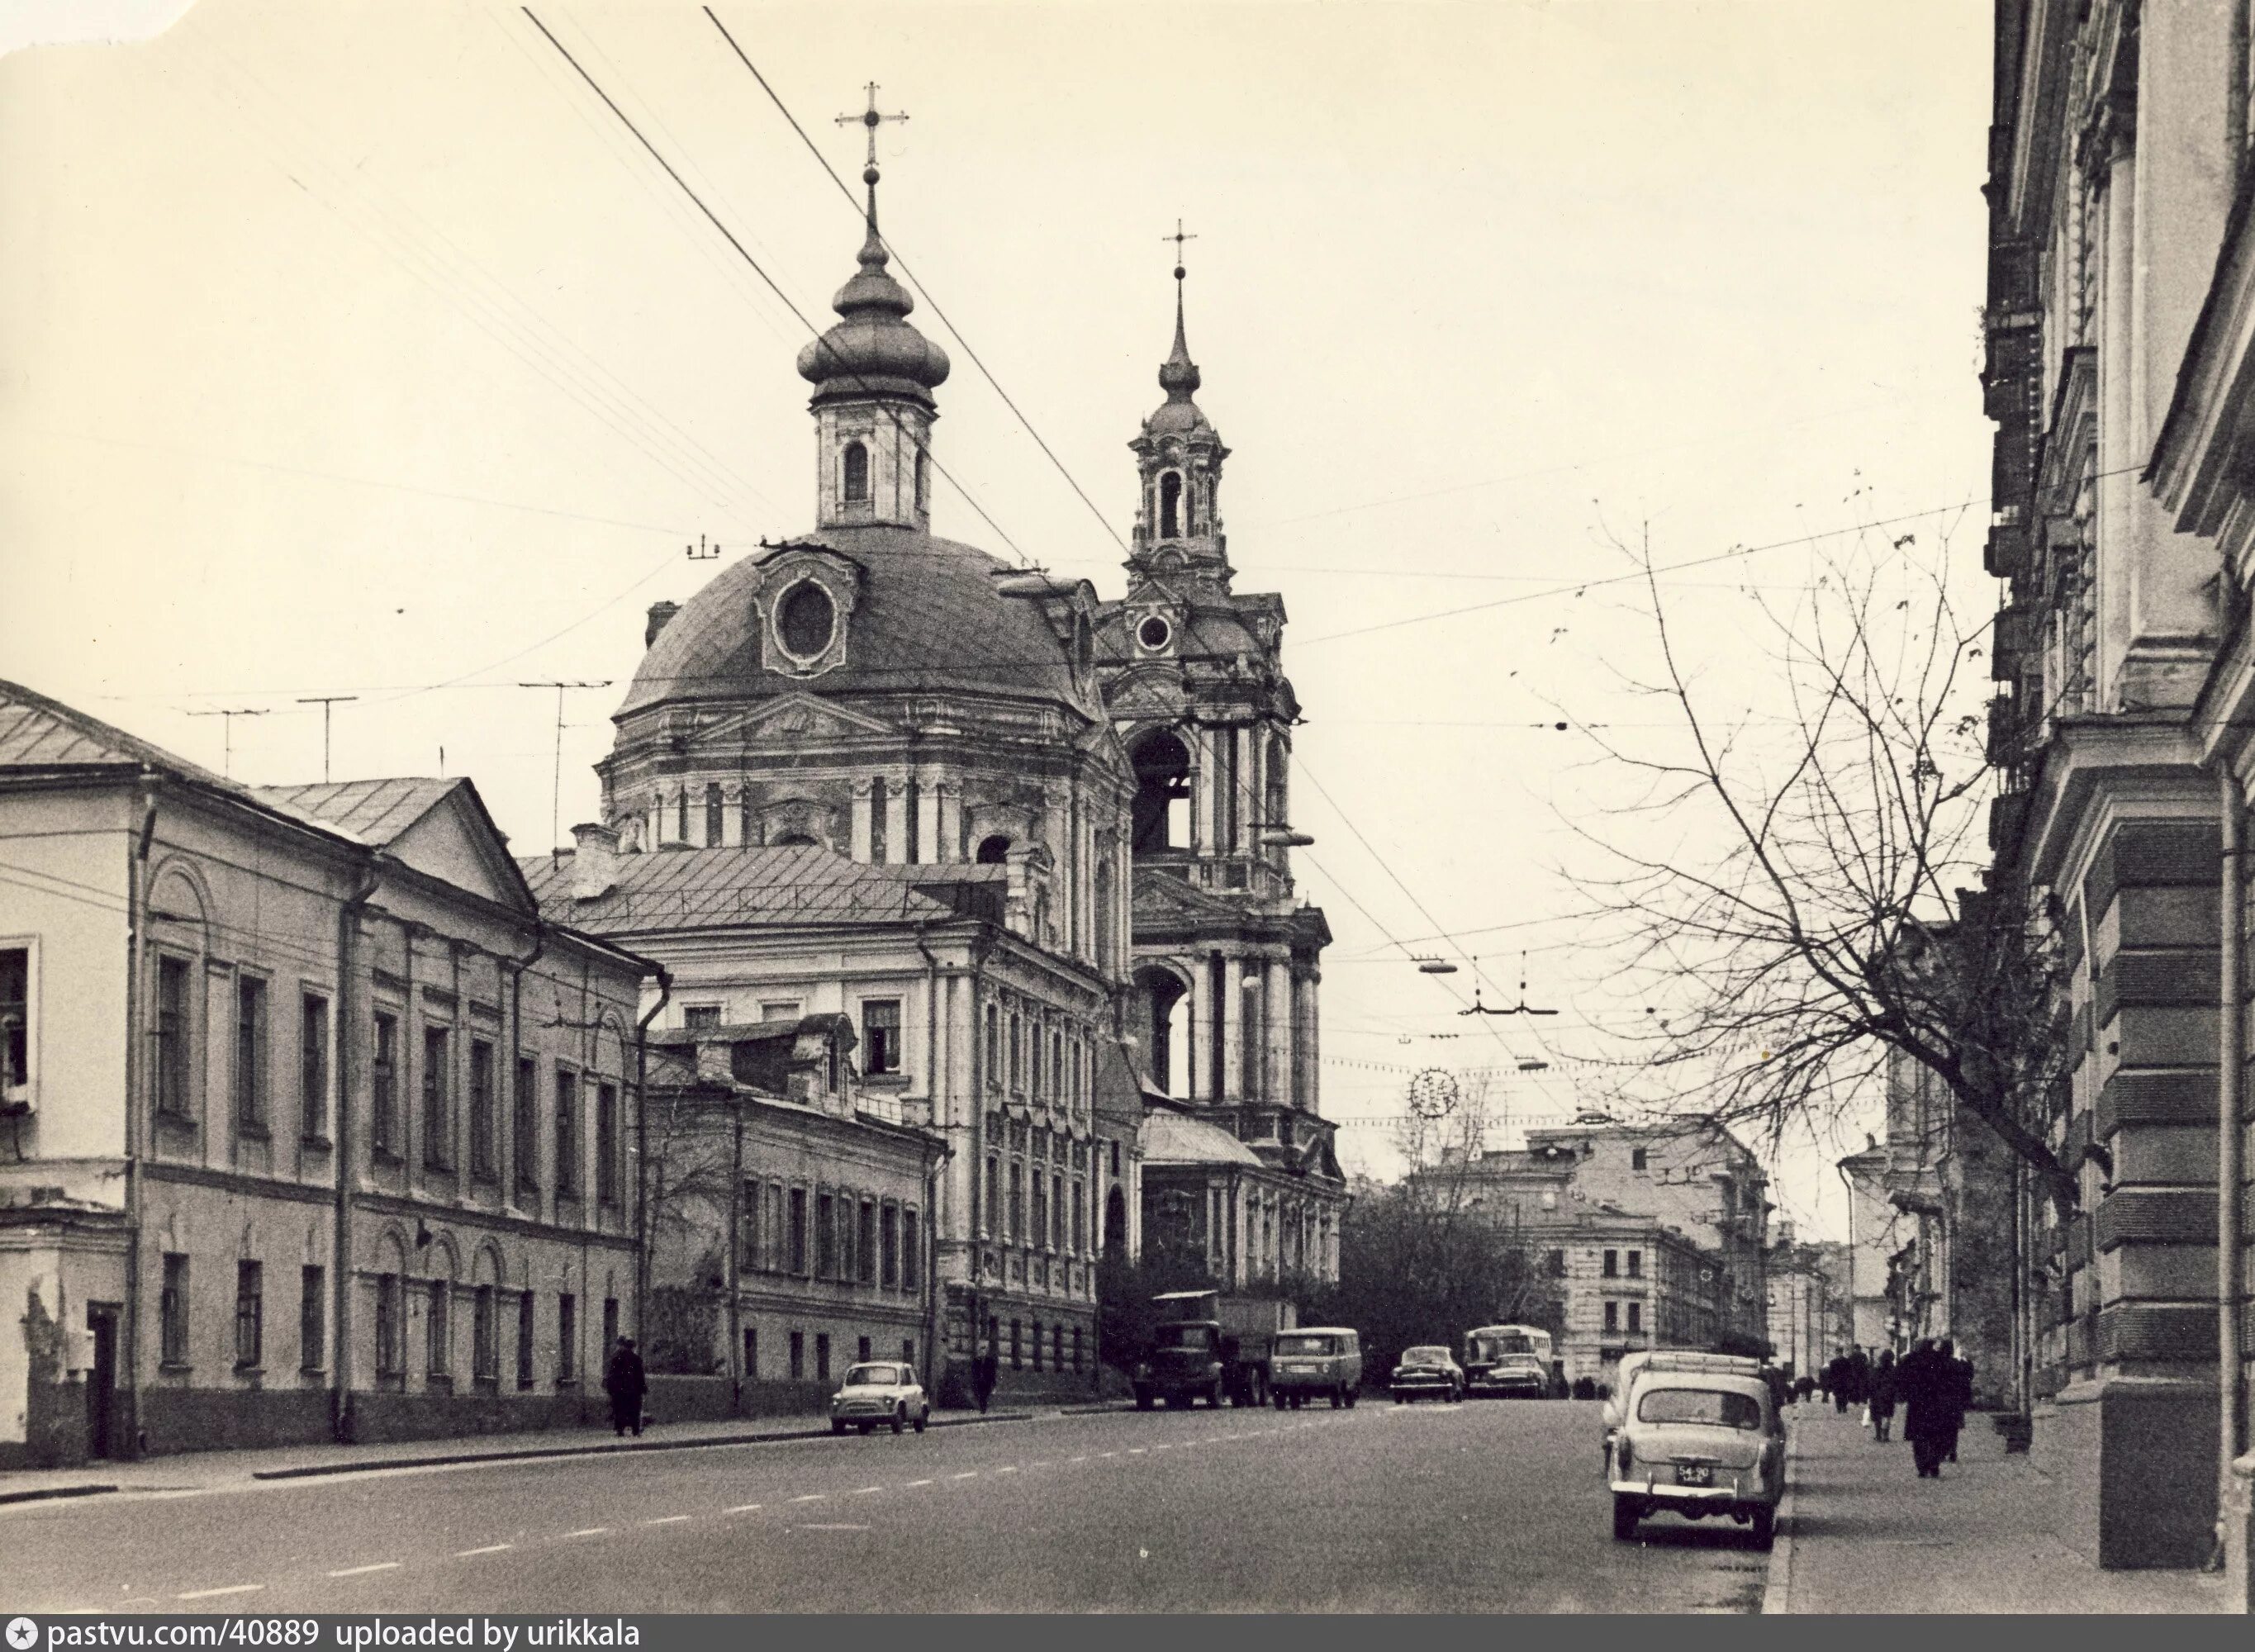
column 358, row 349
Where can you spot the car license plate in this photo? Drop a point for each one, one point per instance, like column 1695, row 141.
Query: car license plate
column 1695, row 1475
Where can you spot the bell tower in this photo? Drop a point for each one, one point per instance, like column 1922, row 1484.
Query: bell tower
column 1178, row 457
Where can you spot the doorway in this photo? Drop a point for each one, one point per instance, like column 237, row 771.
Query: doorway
column 101, row 1380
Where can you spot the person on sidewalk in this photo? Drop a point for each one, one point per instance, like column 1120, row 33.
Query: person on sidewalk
column 1883, row 1395
column 624, row 1381
column 1836, row 1382
column 982, row 1379
column 1928, row 1389
column 1960, row 1375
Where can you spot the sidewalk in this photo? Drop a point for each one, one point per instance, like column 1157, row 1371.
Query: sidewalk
column 210, row 1471
column 1861, row 1533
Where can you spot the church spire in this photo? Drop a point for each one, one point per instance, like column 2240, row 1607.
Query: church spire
column 1179, row 455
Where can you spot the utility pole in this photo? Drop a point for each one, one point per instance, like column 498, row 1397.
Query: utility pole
column 325, row 701
column 556, row 796
column 226, row 761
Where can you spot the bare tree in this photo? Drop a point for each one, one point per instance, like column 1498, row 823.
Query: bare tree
column 691, row 1185
column 1800, row 882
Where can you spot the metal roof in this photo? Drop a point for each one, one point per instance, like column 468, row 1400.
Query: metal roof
column 724, row 887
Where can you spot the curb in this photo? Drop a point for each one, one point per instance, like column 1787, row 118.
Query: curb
column 764, row 1437
column 1777, row 1585
column 45, row 1493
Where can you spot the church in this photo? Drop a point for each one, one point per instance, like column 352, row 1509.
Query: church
column 1027, row 845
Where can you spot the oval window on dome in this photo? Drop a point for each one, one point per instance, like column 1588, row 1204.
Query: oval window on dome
column 807, row 621
column 1154, row 632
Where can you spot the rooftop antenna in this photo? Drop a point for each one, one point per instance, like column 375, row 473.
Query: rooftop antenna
column 227, row 726
column 556, row 796
column 325, row 701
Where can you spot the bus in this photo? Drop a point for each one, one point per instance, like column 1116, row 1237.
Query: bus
column 1509, row 1360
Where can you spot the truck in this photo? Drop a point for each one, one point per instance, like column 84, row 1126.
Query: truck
column 1207, row 1345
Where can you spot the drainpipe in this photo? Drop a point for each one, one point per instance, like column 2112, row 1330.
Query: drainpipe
column 934, row 1096
column 136, row 1061
column 341, row 1125
column 642, row 1144
column 2231, row 1380
column 735, row 1253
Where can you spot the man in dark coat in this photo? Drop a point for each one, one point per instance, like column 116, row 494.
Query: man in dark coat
column 1961, row 1393
column 1883, row 1396
column 1836, row 1381
column 624, row 1381
column 1929, row 1388
column 982, row 1378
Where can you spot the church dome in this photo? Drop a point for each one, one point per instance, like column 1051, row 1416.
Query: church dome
column 872, row 350
column 927, row 616
column 1178, row 376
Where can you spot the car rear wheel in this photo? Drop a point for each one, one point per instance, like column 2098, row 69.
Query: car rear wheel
column 1624, row 1518
column 1765, row 1527
column 1276, row 1396
column 837, row 1427
column 923, row 1417
column 1339, row 1398
column 1353, row 1394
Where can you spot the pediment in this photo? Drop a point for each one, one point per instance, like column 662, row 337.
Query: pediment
column 802, row 717
column 1147, row 695
column 1159, row 899
column 457, row 843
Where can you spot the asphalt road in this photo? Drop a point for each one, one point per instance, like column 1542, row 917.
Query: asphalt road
column 1483, row 1506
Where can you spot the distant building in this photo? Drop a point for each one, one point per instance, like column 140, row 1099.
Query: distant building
column 1877, row 1232
column 1806, row 1324
column 317, row 1128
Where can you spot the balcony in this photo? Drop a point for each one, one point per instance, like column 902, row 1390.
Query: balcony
column 2007, row 733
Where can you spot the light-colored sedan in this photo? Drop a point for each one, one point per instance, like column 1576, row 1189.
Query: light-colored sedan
column 880, row 1392
column 1696, row 1444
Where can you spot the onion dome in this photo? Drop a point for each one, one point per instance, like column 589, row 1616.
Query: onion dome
column 872, row 351
column 1179, row 378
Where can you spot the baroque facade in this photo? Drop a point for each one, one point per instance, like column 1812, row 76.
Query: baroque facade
column 329, row 1139
column 2116, row 326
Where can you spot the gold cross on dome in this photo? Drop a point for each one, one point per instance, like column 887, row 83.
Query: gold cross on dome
column 1178, row 237
column 870, row 118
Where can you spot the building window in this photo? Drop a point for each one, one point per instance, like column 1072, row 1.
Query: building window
column 701, row 1017
column 607, row 1144
column 1057, row 1347
column 438, row 1100
column 889, row 1245
column 855, row 481
column 313, row 1066
column 880, row 1035
column 911, row 1252
column 390, row 1344
column 610, row 1323
column 994, row 1048
column 798, row 1356
column 524, row 1323
column 1638, row 1158
column 779, row 1009
column 795, row 1240
column 1056, row 1212
column 862, row 1350
column 1080, row 1220
column 681, row 817
column 172, row 1038
column 485, row 1336
column 822, row 1356
column 313, row 1317
column 249, row 1316
column 714, row 831
column 1613, row 1315
column 865, row 1247
column 1636, row 1316
column 922, row 480
column 1017, row 1357
column 825, row 1236
column 1171, row 505
column 384, row 1071
column 1041, row 1227
column 439, row 1328
column 993, row 1197
column 1076, row 1348
column 751, row 1353
column 1613, row 1264
column 1056, row 1066
column 15, row 1023
column 567, row 1135
column 1115, row 1158
column 747, row 1229
column 482, row 1110
column 1037, row 1345
column 1017, row 1201
column 1636, row 1264
column 1018, row 1054
column 908, row 1354
column 1553, row 1264
column 567, row 1338
column 525, row 1126
column 251, row 1056
column 172, row 1310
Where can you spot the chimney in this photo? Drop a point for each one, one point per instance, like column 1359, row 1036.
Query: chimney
column 661, row 615
column 594, row 861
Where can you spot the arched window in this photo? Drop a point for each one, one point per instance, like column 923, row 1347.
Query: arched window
column 713, row 831
column 1164, row 995
column 681, row 817
column 793, row 840
column 1116, row 1218
column 1163, row 792
column 994, row 851
column 877, row 821
column 855, row 477
column 1170, row 506
column 1276, row 806
column 923, row 479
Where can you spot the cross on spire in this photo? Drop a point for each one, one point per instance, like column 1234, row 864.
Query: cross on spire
column 870, row 118
column 1178, row 237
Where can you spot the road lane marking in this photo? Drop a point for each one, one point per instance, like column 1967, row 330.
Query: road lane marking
column 1075, row 1459
column 811, row 1497
column 911, row 1485
column 667, row 1520
column 1042, row 1463
column 1164, row 1448
column 863, row 1491
column 742, row 1508
column 214, row 1594
column 588, row 1531
column 1132, row 1451
column 834, row 1526
column 968, row 1473
column 356, row 1571
column 490, row 1549
column 1012, row 1469
column 1108, row 1453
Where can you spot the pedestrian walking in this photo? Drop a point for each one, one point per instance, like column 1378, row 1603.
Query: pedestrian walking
column 1929, row 1391
column 1884, row 1394
column 624, row 1381
column 982, row 1379
column 1836, row 1382
column 1961, row 1393
column 1859, row 1377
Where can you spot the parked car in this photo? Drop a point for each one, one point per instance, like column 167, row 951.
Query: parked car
column 1316, row 1362
column 1428, row 1371
column 1635, row 1365
column 1696, row 1443
column 880, row 1392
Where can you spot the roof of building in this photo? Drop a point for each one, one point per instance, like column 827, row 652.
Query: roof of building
column 1168, row 1138
column 724, row 889
column 37, row 732
column 373, row 811
column 928, row 615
